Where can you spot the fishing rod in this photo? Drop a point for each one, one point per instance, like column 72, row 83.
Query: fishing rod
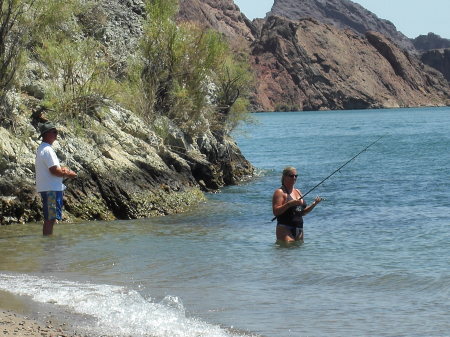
column 341, row 167
column 338, row 169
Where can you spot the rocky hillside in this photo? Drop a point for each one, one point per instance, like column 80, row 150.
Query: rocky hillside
column 439, row 59
column 313, row 64
column 342, row 14
column 307, row 65
column 435, row 52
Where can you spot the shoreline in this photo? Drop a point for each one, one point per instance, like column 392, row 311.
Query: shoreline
column 14, row 325
column 22, row 317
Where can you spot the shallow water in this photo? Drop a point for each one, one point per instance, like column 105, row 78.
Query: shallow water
column 374, row 261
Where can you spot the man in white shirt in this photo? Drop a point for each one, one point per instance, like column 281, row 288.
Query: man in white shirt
column 49, row 177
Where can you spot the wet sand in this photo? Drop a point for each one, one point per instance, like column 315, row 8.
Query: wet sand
column 16, row 325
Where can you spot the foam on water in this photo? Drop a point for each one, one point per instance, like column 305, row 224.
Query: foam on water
column 118, row 311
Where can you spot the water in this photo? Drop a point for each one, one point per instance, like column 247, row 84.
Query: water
column 374, row 261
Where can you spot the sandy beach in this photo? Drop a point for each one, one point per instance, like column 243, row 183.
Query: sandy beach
column 15, row 325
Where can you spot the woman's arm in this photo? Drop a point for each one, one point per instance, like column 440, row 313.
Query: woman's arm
column 279, row 202
column 309, row 208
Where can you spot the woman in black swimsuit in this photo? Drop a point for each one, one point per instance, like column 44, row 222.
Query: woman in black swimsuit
column 289, row 207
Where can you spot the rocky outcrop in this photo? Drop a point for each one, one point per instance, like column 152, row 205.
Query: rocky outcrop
column 307, row 65
column 342, row 14
column 430, row 41
column 126, row 171
column 439, row 59
column 221, row 15
column 347, row 14
column 435, row 52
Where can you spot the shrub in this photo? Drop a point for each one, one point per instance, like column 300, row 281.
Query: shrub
column 79, row 77
column 56, row 19
column 13, row 34
column 24, row 26
column 233, row 82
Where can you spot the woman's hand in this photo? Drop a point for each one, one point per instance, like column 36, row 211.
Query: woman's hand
column 317, row 200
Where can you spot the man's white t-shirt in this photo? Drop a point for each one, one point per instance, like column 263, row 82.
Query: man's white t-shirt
column 45, row 180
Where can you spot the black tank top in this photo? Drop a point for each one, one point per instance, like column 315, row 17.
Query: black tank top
column 293, row 215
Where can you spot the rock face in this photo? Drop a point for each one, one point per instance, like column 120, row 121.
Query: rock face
column 430, row 41
column 435, row 52
column 342, row 14
column 221, row 15
column 308, row 65
column 126, row 171
column 439, row 59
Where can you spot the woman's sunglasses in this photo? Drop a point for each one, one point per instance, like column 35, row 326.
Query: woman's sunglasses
column 293, row 175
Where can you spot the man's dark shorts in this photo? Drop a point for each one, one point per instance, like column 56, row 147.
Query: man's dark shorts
column 52, row 202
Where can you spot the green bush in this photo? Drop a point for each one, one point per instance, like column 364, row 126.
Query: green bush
column 25, row 28
column 13, row 37
column 233, row 81
column 180, row 71
column 57, row 19
column 79, row 77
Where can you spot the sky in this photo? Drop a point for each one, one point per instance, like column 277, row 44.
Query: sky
column 411, row 17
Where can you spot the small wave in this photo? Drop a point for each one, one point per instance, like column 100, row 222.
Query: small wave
column 118, row 311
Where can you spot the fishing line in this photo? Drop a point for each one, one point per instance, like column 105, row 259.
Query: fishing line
column 341, row 167
column 84, row 166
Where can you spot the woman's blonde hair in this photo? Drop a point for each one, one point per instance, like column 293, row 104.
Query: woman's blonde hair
column 287, row 170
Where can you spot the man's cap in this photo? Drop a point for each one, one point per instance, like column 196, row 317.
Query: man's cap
column 45, row 127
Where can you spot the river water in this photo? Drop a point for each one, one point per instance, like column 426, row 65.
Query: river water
column 375, row 261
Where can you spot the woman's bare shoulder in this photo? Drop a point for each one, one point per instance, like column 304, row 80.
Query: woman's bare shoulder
column 279, row 193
